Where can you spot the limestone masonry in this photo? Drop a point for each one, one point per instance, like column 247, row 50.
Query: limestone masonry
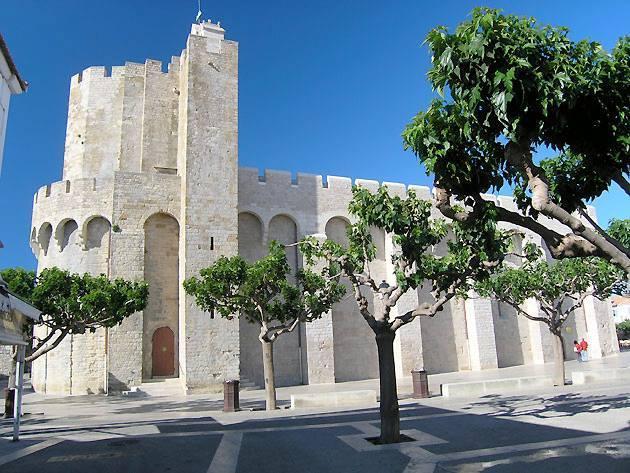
column 152, row 190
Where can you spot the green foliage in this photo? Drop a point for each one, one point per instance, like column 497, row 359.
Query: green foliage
column 473, row 250
column 623, row 330
column 78, row 303
column 510, row 79
column 262, row 292
column 74, row 303
column 20, row 282
column 619, row 229
column 552, row 284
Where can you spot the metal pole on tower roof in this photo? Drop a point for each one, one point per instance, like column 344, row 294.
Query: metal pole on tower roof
column 199, row 13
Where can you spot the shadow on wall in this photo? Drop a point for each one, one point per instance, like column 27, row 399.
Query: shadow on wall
column 289, row 349
column 355, row 352
column 510, row 334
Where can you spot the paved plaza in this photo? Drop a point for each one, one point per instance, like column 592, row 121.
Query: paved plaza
column 561, row 429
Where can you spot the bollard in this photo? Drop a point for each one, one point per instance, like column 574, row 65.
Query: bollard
column 420, row 381
column 230, row 396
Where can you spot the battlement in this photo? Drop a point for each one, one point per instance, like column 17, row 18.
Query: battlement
column 310, row 182
column 75, row 186
column 130, row 69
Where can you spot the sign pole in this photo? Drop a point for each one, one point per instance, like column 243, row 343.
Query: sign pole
column 19, row 389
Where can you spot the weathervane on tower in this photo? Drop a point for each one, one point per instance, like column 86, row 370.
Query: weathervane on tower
column 199, row 13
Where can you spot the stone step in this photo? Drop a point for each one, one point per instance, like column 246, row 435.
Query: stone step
column 162, row 387
column 494, row 386
column 248, row 385
column 365, row 398
column 601, row 375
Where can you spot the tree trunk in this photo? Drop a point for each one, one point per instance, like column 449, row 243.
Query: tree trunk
column 270, row 383
column 558, row 364
column 12, row 373
column 390, row 413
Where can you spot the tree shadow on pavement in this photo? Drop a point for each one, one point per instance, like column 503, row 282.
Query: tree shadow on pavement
column 544, row 407
column 318, row 442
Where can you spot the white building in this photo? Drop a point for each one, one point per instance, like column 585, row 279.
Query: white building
column 621, row 308
column 10, row 84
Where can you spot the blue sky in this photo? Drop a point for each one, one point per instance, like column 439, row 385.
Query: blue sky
column 326, row 86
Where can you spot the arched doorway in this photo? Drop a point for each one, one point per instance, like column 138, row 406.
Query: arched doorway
column 163, row 352
column 287, row 350
column 355, row 353
column 250, row 247
column 161, row 272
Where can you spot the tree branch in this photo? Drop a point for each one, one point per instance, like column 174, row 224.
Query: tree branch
column 443, row 203
column 578, row 303
column 622, row 182
column 519, row 310
column 424, row 309
column 46, row 339
column 41, row 350
column 361, row 301
column 283, row 329
column 602, row 232
column 520, row 156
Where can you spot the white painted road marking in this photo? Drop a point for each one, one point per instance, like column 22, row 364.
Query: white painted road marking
column 28, row 450
column 226, row 457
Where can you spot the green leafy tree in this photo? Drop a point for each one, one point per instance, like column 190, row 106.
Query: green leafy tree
column 620, row 230
column 72, row 304
column 262, row 293
column 473, row 253
column 623, row 330
column 510, row 86
column 559, row 287
column 20, row 282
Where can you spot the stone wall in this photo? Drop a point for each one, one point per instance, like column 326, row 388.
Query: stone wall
column 72, row 230
column 124, row 120
column 137, row 196
column 208, row 166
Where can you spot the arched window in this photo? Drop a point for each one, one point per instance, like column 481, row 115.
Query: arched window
column 96, row 232
column 67, row 233
column 336, row 229
column 45, row 233
column 250, row 236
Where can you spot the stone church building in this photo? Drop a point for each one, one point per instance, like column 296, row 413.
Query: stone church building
column 152, row 190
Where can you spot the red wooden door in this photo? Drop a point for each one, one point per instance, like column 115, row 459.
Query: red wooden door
column 163, row 352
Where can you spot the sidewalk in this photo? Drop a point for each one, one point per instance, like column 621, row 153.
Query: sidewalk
column 522, row 432
column 405, row 387
column 256, row 397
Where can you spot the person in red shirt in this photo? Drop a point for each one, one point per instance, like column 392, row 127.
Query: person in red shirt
column 584, row 350
column 577, row 348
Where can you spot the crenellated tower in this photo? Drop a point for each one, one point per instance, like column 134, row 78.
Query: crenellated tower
column 123, row 120
column 149, row 192
column 208, row 166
